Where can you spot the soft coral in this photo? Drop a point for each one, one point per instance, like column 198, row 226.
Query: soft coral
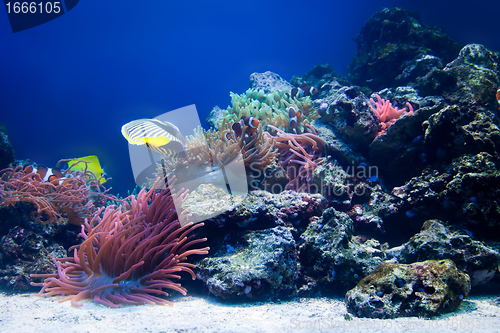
column 386, row 113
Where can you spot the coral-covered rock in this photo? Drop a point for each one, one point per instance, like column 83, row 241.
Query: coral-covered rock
column 331, row 256
column 268, row 81
column 13, row 215
column 354, row 191
column 400, row 153
column 350, row 117
column 465, row 194
column 470, row 80
column 257, row 210
column 23, row 252
column 6, row 151
column 252, row 265
column 323, row 78
column 456, row 130
column 395, row 47
column 436, row 241
column 215, row 117
column 335, row 147
column 422, row 289
column 26, row 244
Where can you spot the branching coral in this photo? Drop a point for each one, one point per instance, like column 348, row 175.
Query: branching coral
column 270, row 108
column 300, row 155
column 74, row 194
column 130, row 253
column 386, row 113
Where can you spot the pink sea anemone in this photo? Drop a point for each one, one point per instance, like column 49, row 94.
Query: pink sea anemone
column 386, row 113
column 130, row 253
column 299, row 154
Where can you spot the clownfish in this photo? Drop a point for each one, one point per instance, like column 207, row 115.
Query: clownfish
column 162, row 137
column 53, row 175
column 498, row 98
column 294, row 116
column 303, row 90
column 56, row 176
column 246, row 124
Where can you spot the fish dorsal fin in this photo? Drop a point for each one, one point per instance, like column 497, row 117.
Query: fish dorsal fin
column 171, row 129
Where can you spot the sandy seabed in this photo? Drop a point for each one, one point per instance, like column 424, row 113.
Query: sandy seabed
column 22, row 313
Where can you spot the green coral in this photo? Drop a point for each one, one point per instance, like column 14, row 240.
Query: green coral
column 270, row 108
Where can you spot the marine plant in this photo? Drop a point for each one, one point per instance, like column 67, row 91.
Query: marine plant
column 75, row 194
column 128, row 255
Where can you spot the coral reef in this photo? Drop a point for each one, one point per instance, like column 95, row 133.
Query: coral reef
column 26, row 249
column 402, row 152
column 455, row 131
column 422, row 289
column 343, row 190
column 253, row 265
column 436, row 241
column 395, row 48
column 349, row 116
column 465, row 193
column 257, row 210
column 130, row 253
column 74, row 195
column 6, row 151
column 269, row 108
column 470, row 80
column 268, row 82
column 334, row 259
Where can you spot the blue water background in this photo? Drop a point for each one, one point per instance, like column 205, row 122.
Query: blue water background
column 67, row 87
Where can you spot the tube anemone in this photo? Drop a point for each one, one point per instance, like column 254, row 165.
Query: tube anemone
column 128, row 256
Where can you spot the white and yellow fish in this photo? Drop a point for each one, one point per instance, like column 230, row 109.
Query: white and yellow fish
column 159, row 136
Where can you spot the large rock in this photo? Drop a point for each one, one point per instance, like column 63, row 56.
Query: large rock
column 466, row 194
column 437, row 241
column 253, row 265
column 395, row 47
column 268, row 81
column 422, row 289
column 257, row 210
column 332, row 257
column 470, row 80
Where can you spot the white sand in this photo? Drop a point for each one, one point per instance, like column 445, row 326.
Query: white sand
column 22, row 313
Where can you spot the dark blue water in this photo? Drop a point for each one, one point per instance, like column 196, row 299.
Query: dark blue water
column 67, row 87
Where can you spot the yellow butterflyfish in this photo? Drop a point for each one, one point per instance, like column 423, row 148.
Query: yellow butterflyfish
column 93, row 166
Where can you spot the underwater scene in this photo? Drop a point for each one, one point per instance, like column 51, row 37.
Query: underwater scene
column 251, row 166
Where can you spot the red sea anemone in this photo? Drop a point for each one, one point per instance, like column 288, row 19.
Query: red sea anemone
column 128, row 255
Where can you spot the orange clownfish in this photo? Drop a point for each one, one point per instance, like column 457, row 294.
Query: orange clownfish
column 52, row 175
column 294, row 117
column 246, row 124
column 498, row 98
column 303, row 90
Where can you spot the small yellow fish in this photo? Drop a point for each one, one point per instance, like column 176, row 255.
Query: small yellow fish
column 94, row 166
